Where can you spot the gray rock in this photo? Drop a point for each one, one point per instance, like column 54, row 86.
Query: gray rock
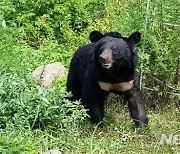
column 47, row 73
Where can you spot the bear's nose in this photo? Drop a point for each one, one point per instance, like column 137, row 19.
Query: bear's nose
column 102, row 59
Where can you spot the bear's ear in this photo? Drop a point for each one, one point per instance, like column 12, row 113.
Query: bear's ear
column 95, row 36
column 135, row 37
column 113, row 34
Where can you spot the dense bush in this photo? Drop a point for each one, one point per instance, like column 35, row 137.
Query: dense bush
column 61, row 20
column 24, row 104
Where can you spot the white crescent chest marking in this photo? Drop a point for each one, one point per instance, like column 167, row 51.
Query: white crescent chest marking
column 123, row 86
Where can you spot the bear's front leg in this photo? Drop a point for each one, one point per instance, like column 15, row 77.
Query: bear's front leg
column 93, row 99
column 136, row 107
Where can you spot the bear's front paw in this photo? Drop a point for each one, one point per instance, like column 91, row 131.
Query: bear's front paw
column 141, row 122
column 96, row 119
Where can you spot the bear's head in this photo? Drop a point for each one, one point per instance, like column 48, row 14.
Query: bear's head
column 115, row 52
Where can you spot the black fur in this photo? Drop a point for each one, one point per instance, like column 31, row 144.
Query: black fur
column 86, row 71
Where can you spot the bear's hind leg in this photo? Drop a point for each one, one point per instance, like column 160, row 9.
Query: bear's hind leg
column 74, row 87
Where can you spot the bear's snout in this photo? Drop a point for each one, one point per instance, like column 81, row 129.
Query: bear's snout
column 105, row 58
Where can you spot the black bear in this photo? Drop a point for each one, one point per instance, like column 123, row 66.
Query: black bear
column 107, row 64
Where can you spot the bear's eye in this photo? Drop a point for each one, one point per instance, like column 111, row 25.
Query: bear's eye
column 114, row 48
column 127, row 48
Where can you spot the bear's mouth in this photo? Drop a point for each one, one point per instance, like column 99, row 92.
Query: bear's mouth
column 107, row 66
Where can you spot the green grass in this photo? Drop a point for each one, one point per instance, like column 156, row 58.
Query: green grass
column 38, row 120
column 117, row 135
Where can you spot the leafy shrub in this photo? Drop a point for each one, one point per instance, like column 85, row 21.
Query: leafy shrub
column 25, row 104
column 61, row 20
